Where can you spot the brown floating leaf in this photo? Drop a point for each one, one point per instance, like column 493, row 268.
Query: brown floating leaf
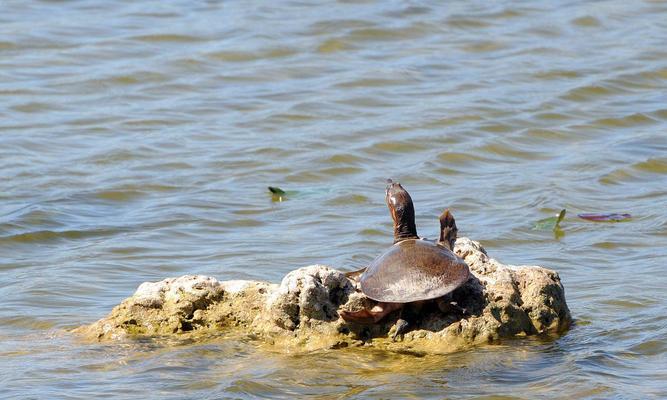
column 609, row 217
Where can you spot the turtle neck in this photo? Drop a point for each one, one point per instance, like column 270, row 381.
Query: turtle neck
column 404, row 222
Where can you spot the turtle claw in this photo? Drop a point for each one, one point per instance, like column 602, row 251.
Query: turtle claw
column 401, row 326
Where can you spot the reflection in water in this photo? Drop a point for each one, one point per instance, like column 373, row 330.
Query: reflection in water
column 137, row 143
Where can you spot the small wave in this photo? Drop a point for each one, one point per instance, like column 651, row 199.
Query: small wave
column 27, row 322
column 650, row 347
column 338, row 171
column 154, row 122
column 348, row 199
column 617, row 176
column 463, row 159
column 119, row 195
column 237, row 56
column 586, row 21
column 289, row 117
column 44, row 236
column 131, row 78
column 631, row 120
column 372, row 232
column 345, row 158
column 394, row 146
column 464, row 23
column 371, row 82
column 387, row 34
column 484, row 46
column 247, row 222
column 252, row 388
column 640, row 171
column 161, row 38
column 333, row 46
column 36, row 107
column 652, row 165
column 555, row 74
column 7, row 45
column 513, row 153
column 590, row 92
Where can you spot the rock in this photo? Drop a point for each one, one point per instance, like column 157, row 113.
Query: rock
column 500, row 301
column 308, row 296
column 180, row 305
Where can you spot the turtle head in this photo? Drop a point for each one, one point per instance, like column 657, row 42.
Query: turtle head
column 402, row 211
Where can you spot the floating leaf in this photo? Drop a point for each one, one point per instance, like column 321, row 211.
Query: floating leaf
column 276, row 190
column 551, row 223
column 277, row 194
column 609, row 217
column 561, row 216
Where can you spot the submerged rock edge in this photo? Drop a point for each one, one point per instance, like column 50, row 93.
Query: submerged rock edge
column 300, row 313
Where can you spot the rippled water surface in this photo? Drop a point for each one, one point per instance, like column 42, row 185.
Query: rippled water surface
column 137, row 139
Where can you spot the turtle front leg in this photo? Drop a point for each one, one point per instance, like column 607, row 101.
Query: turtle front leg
column 408, row 317
column 400, row 327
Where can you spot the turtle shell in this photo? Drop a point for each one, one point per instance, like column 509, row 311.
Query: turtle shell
column 413, row 270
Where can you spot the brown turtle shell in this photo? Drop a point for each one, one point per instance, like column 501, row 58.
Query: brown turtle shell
column 413, row 270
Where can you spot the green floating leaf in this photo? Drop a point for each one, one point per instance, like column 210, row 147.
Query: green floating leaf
column 277, row 194
column 561, row 216
column 551, row 223
column 276, row 190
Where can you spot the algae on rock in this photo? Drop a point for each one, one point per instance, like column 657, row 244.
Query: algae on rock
column 302, row 312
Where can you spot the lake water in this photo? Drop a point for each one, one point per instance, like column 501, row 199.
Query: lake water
column 137, row 140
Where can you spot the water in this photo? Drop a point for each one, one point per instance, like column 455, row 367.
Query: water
column 137, row 140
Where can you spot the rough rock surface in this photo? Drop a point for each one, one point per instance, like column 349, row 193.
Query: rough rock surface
column 500, row 301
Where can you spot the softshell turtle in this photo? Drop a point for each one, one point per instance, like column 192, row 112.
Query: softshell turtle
column 413, row 269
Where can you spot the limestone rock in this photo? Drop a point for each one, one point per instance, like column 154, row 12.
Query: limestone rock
column 500, row 301
column 179, row 305
column 309, row 296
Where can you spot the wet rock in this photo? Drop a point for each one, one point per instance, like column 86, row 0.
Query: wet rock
column 498, row 301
